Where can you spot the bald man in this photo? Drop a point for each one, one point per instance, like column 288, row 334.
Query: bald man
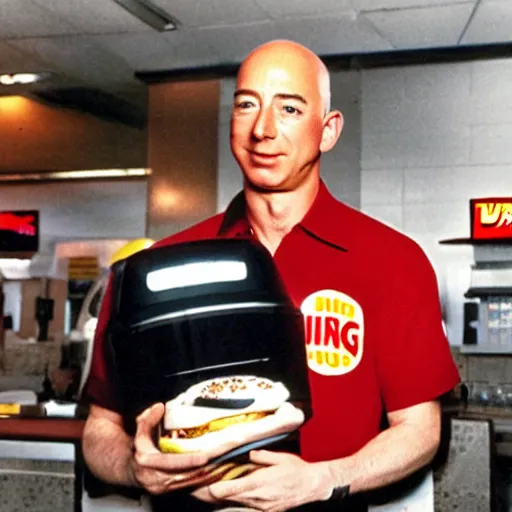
column 393, row 355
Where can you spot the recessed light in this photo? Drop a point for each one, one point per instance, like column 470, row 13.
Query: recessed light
column 21, row 78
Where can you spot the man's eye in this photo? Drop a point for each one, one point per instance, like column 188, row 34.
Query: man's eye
column 244, row 104
column 291, row 110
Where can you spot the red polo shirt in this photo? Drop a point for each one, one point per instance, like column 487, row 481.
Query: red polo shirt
column 374, row 333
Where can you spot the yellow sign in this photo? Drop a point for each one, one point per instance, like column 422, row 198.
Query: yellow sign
column 83, row 268
column 10, row 409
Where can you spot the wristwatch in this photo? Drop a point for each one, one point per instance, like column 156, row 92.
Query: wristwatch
column 340, row 493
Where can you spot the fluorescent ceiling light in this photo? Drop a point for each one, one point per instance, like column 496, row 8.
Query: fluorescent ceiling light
column 149, row 13
column 191, row 274
column 74, row 175
column 21, row 78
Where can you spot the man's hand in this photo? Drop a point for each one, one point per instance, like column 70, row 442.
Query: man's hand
column 160, row 472
column 287, row 481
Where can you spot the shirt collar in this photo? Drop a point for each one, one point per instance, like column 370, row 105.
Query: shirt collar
column 323, row 220
column 327, row 219
column 235, row 223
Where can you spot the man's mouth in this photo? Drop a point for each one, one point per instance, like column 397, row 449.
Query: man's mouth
column 264, row 157
column 260, row 153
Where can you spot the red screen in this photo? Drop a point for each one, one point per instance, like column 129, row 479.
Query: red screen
column 491, row 218
column 19, row 231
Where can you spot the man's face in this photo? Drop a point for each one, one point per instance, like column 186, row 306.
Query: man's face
column 277, row 121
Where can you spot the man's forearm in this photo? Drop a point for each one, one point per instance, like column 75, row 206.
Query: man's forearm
column 391, row 456
column 107, row 451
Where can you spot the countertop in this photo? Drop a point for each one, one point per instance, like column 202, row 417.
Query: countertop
column 42, row 429
column 501, row 418
column 52, row 430
column 499, row 415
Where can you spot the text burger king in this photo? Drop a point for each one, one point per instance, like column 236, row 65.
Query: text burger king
column 334, row 328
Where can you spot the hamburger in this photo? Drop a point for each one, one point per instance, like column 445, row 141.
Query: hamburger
column 221, row 414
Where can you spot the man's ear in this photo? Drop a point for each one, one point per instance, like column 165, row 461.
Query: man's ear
column 333, row 126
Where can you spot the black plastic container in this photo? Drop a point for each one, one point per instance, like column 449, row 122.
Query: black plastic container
column 242, row 322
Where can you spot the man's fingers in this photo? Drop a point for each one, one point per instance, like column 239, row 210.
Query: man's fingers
column 150, row 418
column 204, row 494
column 146, row 422
column 226, row 489
column 267, row 458
column 171, row 461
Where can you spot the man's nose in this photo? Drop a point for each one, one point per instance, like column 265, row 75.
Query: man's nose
column 265, row 126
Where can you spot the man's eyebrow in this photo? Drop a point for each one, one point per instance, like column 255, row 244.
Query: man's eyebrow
column 240, row 92
column 288, row 96
column 280, row 95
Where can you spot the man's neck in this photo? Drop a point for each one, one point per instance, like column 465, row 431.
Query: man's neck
column 273, row 215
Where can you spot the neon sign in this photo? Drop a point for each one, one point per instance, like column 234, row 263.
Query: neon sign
column 491, row 218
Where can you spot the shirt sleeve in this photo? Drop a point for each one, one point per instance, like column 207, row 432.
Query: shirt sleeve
column 414, row 360
column 98, row 388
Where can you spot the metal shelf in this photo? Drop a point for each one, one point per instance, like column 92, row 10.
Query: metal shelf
column 488, row 291
column 485, row 349
column 479, row 241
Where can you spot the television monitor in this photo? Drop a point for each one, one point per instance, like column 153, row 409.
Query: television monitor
column 19, row 231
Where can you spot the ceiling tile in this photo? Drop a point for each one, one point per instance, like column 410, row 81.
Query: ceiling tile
column 374, row 5
column 325, row 36
column 210, row 13
column 95, row 16
column 228, row 12
column 422, row 27
column 79, row 57
column 14, row 61
column 24, row 18
column 297, row 8
column 154, row 52
column 232, row 44
column 492, row 23
column 337, row 35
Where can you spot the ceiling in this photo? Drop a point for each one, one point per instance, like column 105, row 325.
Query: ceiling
column 93, row 48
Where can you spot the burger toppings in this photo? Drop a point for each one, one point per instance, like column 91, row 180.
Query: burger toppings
column 215, row 425
column 240, row 386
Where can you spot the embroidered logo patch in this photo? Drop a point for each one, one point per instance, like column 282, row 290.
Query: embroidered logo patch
column 334, row 326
